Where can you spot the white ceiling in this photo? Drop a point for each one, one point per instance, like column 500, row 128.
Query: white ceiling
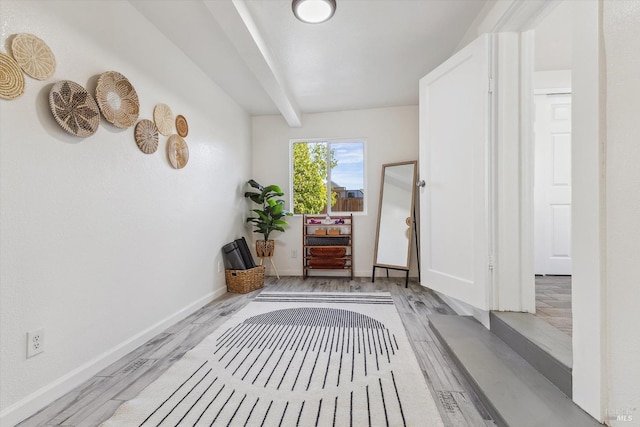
column 370, row 54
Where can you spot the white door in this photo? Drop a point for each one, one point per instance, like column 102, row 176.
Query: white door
column 454, row 156
column 552, row 187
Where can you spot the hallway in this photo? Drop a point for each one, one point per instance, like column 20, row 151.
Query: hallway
column 97, row 399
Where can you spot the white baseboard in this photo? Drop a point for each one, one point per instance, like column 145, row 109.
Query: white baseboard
column 46, row 395
column 464, row 309
column 458, row 306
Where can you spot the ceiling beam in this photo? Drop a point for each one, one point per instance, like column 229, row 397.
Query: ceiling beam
column 236, row 21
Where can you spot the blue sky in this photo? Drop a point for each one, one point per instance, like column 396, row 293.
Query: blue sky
column 350, row 170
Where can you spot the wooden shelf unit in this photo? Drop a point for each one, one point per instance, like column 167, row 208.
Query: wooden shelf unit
column 311, row 240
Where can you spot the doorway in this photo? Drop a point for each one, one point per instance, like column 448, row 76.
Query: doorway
column 589, row 357
column 552, row 171
column 552, row 207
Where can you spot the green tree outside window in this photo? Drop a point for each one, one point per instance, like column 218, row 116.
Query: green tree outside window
column 310, row 177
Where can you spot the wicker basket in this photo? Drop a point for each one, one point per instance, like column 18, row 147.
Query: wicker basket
column 327, row 241
column 243, row 281
column 265, row 248
column 335, row 252
column 327, row 262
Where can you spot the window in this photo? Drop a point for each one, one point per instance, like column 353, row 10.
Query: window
column 327, row 176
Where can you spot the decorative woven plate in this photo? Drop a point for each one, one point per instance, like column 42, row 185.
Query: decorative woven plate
column 146, row 134
column 11, row 78
column 177, row 151
column 182, row 127
column 33, row 55
column 74, row 108
column 163, row 117
column 117, row 99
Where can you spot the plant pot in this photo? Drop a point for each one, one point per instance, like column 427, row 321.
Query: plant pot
column 265, row 248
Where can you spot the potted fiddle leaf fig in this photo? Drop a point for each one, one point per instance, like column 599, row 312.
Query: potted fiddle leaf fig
column 269, row 215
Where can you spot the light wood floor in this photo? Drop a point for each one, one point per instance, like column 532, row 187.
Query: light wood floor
column 553, row 301
column 97, row 399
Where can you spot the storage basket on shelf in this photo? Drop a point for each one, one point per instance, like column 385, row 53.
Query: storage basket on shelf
column 244, row 281
column 327, row 262
column 335, row 252
column 327, row 241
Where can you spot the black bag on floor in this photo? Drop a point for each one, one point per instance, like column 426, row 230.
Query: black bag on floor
column 245, row 253
column 233, row 257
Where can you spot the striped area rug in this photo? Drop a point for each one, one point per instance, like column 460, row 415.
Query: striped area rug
column 294, row 359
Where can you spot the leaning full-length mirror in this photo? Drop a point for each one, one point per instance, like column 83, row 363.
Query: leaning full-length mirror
column 395, row 216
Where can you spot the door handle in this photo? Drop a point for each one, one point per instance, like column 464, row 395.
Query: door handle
column 420, row 183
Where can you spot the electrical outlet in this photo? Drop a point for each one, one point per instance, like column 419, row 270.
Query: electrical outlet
column 294, row 253
column 35, row 342
column 220, row 267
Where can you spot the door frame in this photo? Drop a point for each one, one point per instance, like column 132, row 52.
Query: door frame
column 589, row 351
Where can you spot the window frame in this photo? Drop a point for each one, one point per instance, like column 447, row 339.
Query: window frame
column 330, row 141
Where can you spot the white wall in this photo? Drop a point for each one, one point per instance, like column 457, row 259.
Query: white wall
column 102, row 245
column 621, row 46
column 557, row 79
column 391, row 135
column 553, row 37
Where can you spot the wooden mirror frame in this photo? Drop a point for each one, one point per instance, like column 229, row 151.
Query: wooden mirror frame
column 409, row 222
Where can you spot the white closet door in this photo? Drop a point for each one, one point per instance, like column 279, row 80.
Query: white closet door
column 552, row 188
column 455, row 105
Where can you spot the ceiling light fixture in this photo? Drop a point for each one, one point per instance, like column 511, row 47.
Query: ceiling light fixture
column 313, row 11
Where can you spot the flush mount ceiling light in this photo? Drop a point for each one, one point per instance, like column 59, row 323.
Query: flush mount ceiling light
column 313, row 11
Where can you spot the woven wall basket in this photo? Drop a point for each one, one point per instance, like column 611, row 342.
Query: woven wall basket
column 33, row 55
column 177, row 151
column 74, row 109
column 163, row 118
column 11, row 78
column 117, row 99
column 146, row 135
column 182, row 127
